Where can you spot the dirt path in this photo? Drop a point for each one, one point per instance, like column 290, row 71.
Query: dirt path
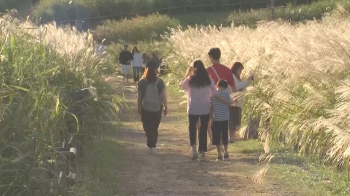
column 170, row 171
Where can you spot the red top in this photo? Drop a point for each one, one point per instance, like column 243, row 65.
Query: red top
column 224, row 73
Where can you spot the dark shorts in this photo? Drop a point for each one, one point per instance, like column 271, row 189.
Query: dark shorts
column 220, row 132
column 235, row 118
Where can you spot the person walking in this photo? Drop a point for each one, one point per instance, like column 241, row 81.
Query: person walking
column 221, row 116
column 218, row 71
column 199, row 88
column 151, row 102
column 156, row 60
column 125, row 58
column 136, row 63
column 236, row 109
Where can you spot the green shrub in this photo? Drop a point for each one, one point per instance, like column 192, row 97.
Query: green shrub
column 40, row 68
column 59, row 10
column 299, row 13
column 136, row 29
column 8, row 4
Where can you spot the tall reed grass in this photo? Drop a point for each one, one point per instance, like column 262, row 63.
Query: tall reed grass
column 40, row 68
column 302, row 78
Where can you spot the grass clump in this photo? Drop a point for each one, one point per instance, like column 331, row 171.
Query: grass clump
column 40, row 68
column 136, row 29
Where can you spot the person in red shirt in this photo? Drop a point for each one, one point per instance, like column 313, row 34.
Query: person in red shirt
column 217, row 72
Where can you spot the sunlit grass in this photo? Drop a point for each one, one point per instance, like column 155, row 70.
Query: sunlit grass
column 40, row 69
column 301, row 81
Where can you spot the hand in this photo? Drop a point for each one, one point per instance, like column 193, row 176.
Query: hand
column 165, row 111
column 189, row 71
column 139, row 110
column 251, row 78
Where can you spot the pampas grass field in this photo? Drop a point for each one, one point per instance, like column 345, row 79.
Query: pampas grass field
column 40, row 68
column 302, row 80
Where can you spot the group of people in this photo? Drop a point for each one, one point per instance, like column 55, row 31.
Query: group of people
column 211, row 108
column 135, row 60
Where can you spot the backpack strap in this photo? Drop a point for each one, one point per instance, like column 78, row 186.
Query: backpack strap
column 216, row 73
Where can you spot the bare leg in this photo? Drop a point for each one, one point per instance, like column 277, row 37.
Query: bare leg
column 218, row 148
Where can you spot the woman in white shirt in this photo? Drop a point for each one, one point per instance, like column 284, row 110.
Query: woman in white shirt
column 236, row 109
column 137, row 63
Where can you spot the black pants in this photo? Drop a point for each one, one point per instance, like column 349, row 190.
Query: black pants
column 220, row 132
column 202, row 130
column 150, row 122
column 137, row 73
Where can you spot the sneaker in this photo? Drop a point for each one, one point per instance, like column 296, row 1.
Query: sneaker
column 226, row 156
column 232, row 141
column 202, row 156
column 152, row 151
column 220, row 157
column 194, row 155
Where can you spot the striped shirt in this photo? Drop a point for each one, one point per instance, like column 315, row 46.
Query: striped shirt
column 221, row 110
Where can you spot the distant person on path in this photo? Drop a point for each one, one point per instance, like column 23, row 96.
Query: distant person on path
column 136, row 63
column 199, row 88
column 221, row 116
column 217, row 72
column 99, row 47
column 236, row 110
column 125, row 58
column 151, row 102
column 156, row 60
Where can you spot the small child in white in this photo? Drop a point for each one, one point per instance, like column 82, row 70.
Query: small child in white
column 221, row 116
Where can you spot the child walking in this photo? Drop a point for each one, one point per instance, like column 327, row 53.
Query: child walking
column 221, row 116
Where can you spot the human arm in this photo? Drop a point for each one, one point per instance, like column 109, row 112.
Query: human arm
column 120, row 58
column 184, row 83
column 217, row 95
column 231, row 81
column 139, row 101
column 141, row 86
column 242, row 84
column 130, row 57
column 165, row 101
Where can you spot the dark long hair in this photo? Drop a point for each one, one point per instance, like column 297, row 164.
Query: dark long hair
column 151, row 73
column 200, row 77
column 134, row 49
column 235, row 67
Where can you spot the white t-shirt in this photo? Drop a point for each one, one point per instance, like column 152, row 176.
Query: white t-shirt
column 137, row 60
column 240, row 86
column 99, row 49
